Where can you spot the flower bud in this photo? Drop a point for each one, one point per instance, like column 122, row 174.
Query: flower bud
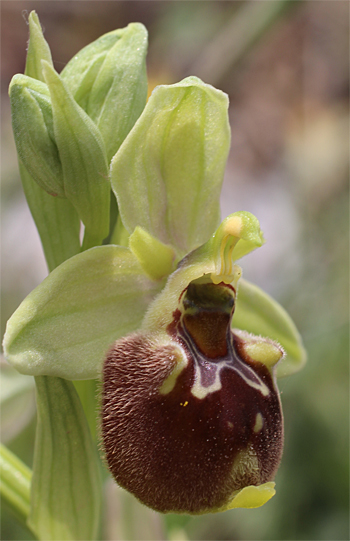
column 33, row 130
column 191, row 415
column 108, row 80
column 83, row 157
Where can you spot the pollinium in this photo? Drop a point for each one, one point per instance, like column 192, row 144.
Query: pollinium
column 192, row 415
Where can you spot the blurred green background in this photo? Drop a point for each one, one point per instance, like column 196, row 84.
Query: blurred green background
column 285, row 66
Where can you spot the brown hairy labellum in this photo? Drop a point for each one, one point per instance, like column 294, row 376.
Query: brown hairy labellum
column 190, row 416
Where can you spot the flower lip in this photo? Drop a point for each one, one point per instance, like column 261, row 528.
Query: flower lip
column 191, row 446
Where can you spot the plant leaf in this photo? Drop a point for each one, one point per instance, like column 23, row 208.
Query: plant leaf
column 65, row 326
column 167, row 174
column 257, row 313
column 66, row 485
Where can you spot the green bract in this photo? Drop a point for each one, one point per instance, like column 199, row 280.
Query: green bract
column 161, row 287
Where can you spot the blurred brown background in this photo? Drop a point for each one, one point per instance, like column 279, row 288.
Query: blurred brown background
column 285, row 66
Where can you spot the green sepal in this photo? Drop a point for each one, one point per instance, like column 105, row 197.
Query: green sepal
column 66, row 485
column 156, row 259
column 32, row 124
column 38, row 49
column 66, row 325
column 56, row 219
column 257, row 313
column 167, row 174
column 108, row 80
column 83, row 159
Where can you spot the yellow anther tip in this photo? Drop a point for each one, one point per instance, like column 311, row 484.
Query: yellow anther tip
column 233, row 226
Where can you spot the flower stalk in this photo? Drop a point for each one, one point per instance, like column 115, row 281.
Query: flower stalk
column 15, row 483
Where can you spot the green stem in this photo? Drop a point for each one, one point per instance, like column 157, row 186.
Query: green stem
column 90, row 240
column 15, row 483
column 87, row 391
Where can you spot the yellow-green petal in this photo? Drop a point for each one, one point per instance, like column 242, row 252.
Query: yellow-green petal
column 156, row 259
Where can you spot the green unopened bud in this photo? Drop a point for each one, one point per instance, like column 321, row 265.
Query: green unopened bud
column 38, row 49
column 83, row 158
column 33, row 130
column 108, row 80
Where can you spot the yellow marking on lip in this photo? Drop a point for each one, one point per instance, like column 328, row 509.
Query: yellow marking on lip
column 184, row 404
column 199, row 391
column 170, row 382
column 259, row 423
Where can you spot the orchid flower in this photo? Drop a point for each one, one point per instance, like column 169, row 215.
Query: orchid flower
column 153, row 304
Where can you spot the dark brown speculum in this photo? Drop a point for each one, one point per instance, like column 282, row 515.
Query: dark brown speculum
column 218, row 427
